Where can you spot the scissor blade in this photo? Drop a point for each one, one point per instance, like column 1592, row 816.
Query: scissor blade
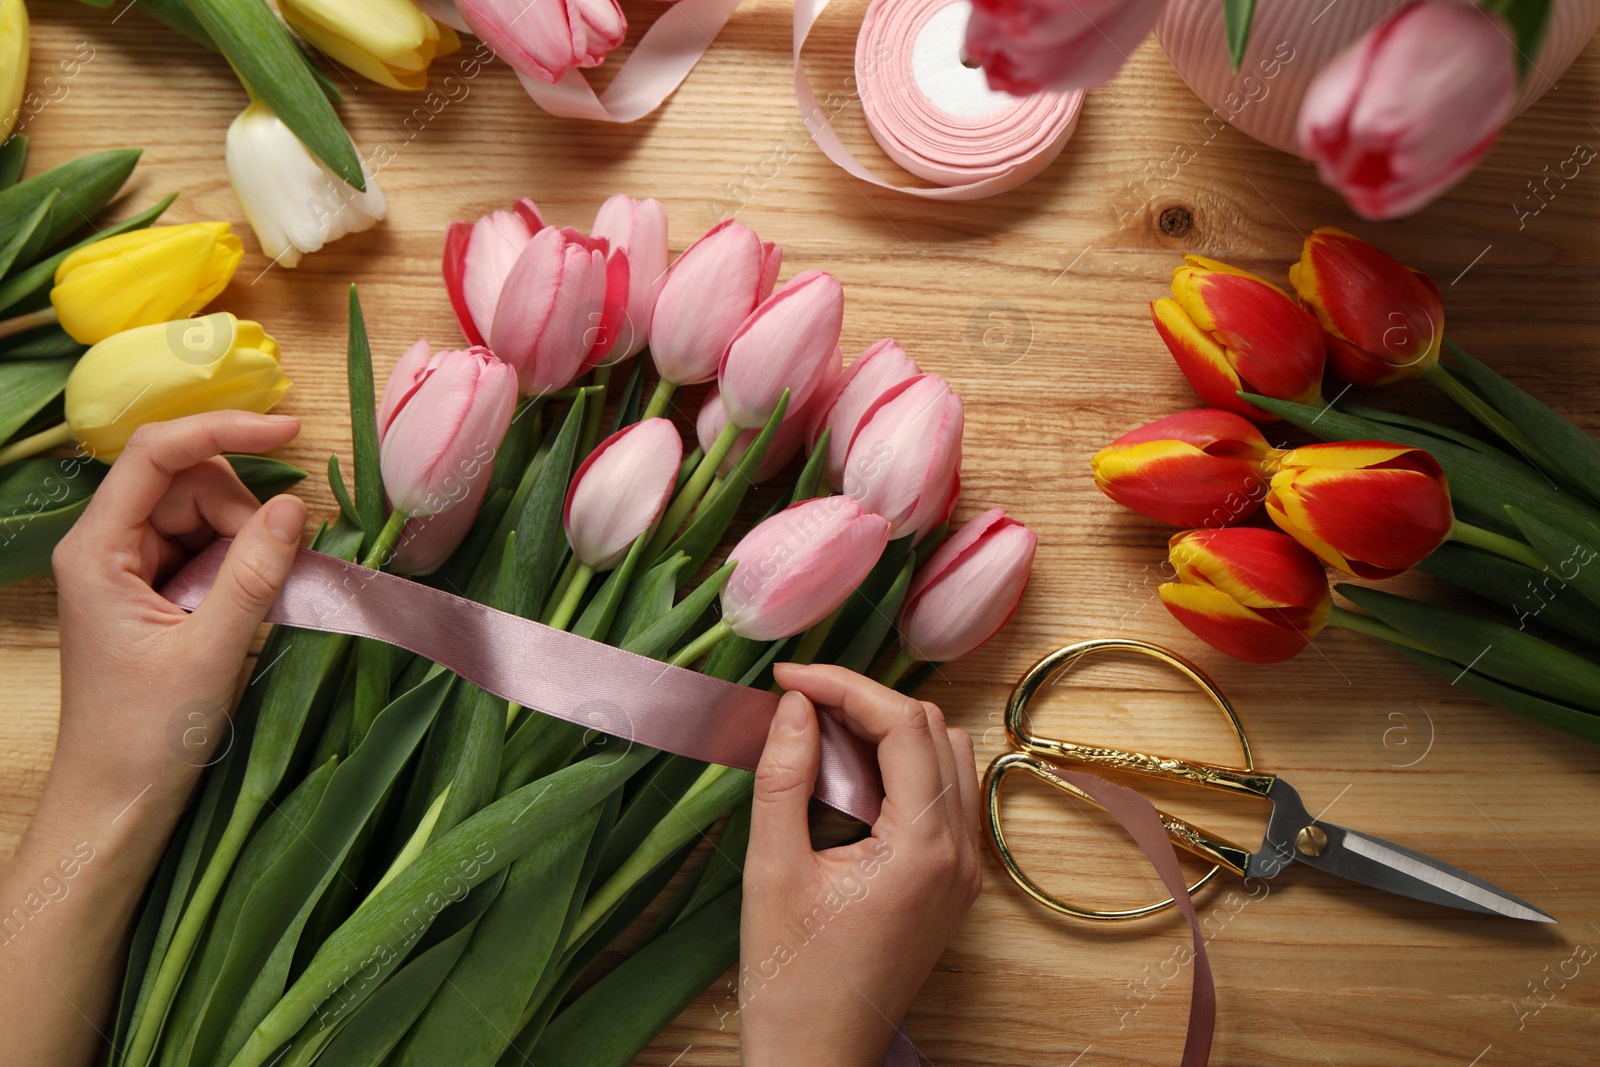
column 1397, row 869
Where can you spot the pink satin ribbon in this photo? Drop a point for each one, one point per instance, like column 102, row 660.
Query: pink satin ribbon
column 637, row 699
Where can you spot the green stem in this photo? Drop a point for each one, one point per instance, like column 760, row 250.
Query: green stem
column 591, row 417
column 1366, row 624
column 561, row 617
column 1499, row 544
column 702, row 644
column 806, row 651
column 1479, row 409
column 903, row 661
column 28, row 446
column 659, row 400
column 383, row 546
column 560, row 590
column 43, row 317
column 689, row 496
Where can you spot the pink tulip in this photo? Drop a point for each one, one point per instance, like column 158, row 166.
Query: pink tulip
column 442, row 417
column 840, row 409
column 790, row 342
column 941, row 514
column 797, row 567
column 427, row 541
column 620, row 491
column 1405, row 112
column 1028, row 45
column 903, row 461
column 968, row 588
column 552, row 318
column 708, row 293
column 546, row 38
column 477, row 258
column 637, row 231
column 708, row 425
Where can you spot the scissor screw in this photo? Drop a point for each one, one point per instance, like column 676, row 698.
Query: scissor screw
column 1310, row 841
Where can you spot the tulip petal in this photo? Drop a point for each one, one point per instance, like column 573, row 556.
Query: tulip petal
column 1230, row 627
column 1201, row 360
column 1176, row 483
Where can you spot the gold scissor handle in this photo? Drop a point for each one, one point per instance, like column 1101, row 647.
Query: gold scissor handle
column 1219, row 851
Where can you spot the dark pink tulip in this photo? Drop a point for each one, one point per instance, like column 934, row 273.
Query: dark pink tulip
column 478, row 256
column 1028, row 45
column 544, row 39
column 552, row 321
column 637, row 231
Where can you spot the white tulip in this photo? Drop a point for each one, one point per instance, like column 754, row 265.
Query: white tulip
column 294, row 202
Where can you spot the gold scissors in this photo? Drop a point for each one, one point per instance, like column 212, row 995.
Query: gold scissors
column 1292, row 836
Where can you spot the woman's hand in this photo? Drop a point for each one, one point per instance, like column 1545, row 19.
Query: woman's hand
column 145, row 694
column 835, row 944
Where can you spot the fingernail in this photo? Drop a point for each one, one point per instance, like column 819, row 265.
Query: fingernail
column 285, row 515
column 793, row 715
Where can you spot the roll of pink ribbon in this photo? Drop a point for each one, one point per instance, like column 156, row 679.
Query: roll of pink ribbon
column 931, row 113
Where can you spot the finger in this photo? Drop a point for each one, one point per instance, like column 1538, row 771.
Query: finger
column 780, row 829
column 896, row 723
column 251, row 575
column 971, row 811
column 207, row 498
column 158, row 451
column 949, row 791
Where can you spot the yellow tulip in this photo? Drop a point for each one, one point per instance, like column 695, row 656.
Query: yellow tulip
column 143, row 277
column 167, row 370
column 13, row 62
column 387, row 41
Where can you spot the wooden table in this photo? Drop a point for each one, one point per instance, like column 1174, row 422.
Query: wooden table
column 1309, row 970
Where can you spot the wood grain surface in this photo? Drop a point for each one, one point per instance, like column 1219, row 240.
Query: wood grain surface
column 1033, row 305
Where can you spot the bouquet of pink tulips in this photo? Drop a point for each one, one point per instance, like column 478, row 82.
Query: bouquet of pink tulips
column 391, row 865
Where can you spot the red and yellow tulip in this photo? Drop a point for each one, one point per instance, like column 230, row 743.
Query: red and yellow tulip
column 1369, row 508
column 1384, row 321
column 1205, row 468
column 1251, row 593
column 1230, row 331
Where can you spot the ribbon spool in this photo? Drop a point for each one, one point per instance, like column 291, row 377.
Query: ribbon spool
column 928, row 111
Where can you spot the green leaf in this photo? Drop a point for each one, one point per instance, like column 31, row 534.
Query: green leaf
column 1391, row 418
column 1568, row 720
column 649, row 599
column 1572, row 559
column 601, row 612
column 264, row 476
column 44, row 342
column 628, row 402
column 40, row 499
column 282, row 895
column 657, row 791
column 29, row 288
column 1575, row 455
column 146, row 931
column 1480, row 484
column 810, row 481
column 854, row 615
column 341, row 496
column 26, row 386
column 705, row 530
column 541, row 537
column 1236, row 18
column 1499, row 652
column 80, row 188
column 1528, row 19
column 658, row 640
column 722, row 870
column 364, row 426
column 1529, row 595
column 863, row 648
column 520, row 933
column 268, row 61
column 13, row 156
column 466, row 856
column 24, row 242
column 618, row 1015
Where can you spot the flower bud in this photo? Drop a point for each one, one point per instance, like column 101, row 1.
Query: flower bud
column 708, row 293
column 427, row 541
column 142, row 277
column 968, row 588
column 387, row 41
column 294, row 202
column 168, row 370
column 1229, row 331
column 552, row 315
column 14, row 46
column 1408, row 109
column 1025, row 46
column 637, row 231
column 478, row 256
column 544, row 39
column 1206, row 467
column 790, row 342
column 840, row 409
column 796, row 568
column 904, row 458
column 620, row 491
column 441, row 419
column 1368, row 508
column 1251, row 593
column 1383, row 321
